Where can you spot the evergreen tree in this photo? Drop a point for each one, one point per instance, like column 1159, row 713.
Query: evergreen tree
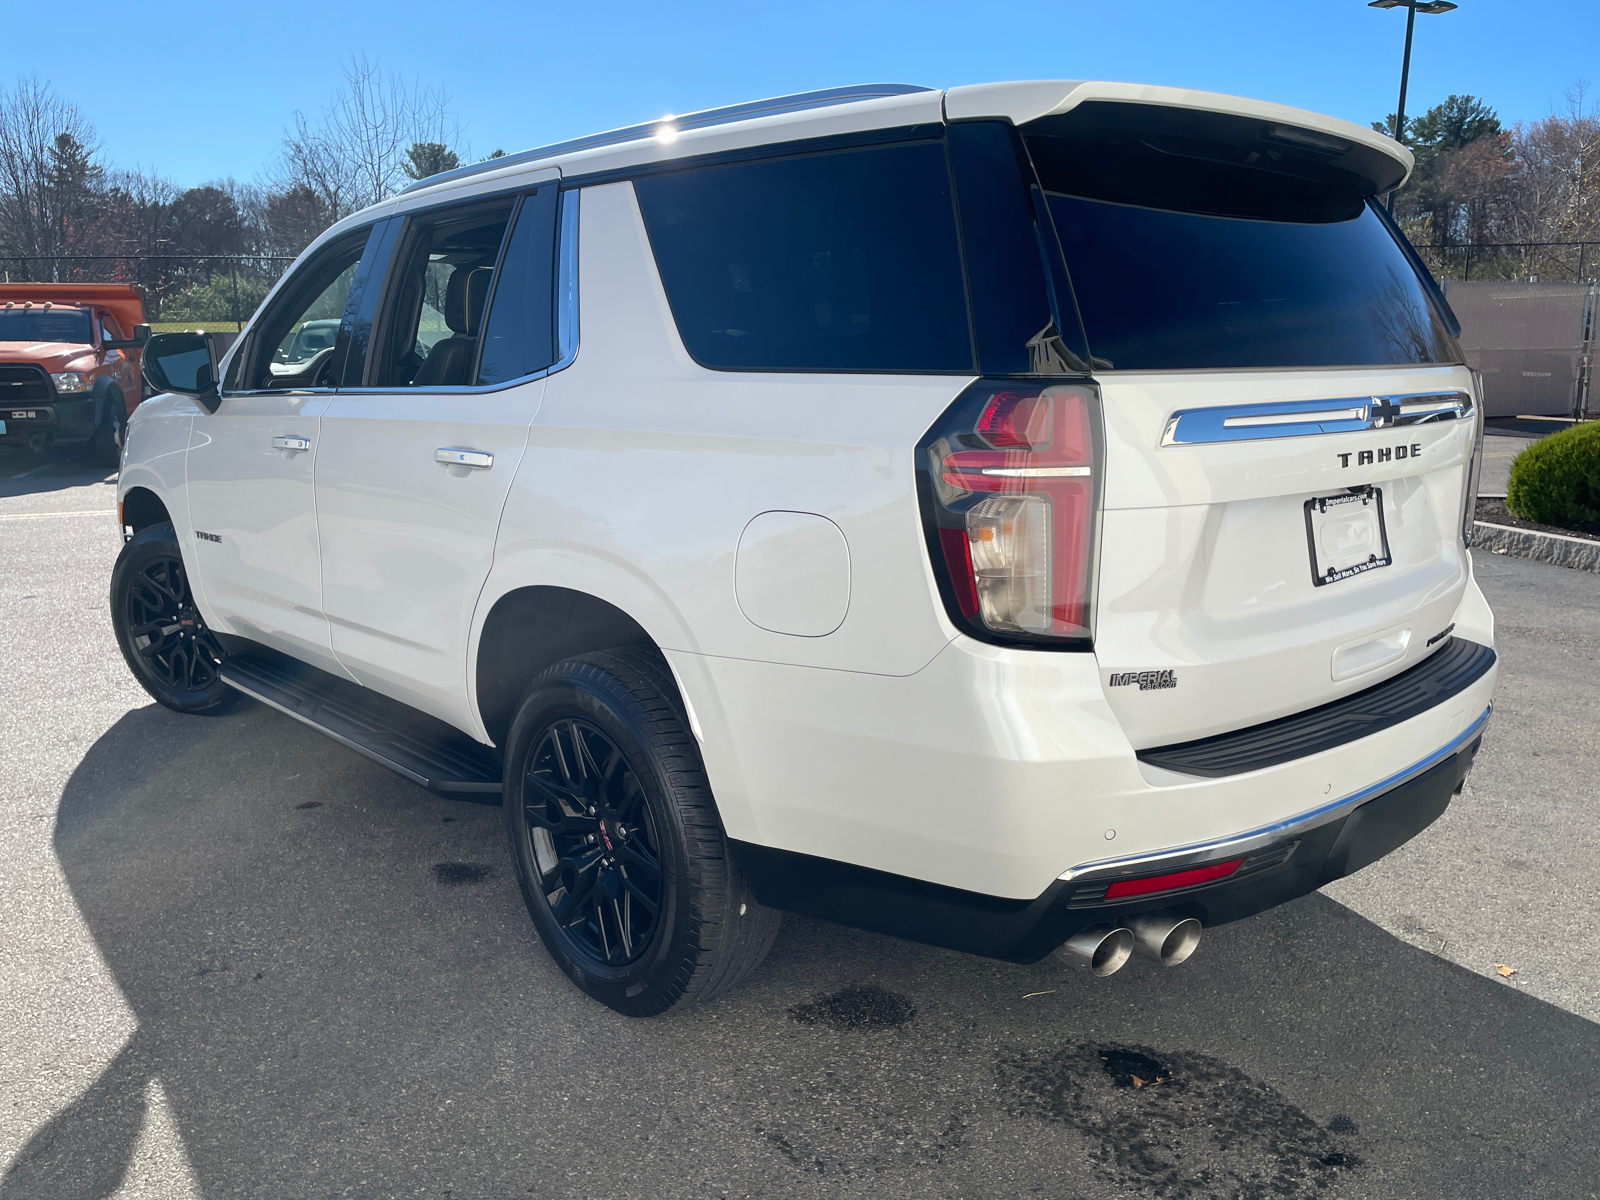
column 429, row 158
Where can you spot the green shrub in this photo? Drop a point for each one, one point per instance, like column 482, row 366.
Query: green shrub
column 1556, row 481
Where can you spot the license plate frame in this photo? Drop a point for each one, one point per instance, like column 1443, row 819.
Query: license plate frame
column 1331, row 519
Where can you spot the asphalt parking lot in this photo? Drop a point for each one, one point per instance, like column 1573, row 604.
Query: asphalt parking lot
column 240, row 960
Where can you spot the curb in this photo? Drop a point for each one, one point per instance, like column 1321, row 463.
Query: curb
column 1555, row 548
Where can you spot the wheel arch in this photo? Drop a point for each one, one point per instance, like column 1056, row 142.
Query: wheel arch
column 141, row 508
column 531, row 628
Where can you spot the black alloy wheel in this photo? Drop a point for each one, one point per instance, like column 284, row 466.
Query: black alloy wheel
column 616, row 839
column 594, row 842
column 162, row 635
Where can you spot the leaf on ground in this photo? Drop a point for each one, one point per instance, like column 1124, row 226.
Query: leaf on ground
column 1504, row 971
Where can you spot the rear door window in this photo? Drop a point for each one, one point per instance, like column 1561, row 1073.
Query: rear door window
column 836, row 261
column 439, row 288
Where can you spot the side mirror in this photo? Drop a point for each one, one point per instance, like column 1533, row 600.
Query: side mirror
column 182, row 363
column 141, row 335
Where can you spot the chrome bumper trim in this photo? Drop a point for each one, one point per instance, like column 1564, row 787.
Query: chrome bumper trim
column 1200, row 853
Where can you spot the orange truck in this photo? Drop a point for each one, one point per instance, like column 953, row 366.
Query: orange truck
column 69, row 364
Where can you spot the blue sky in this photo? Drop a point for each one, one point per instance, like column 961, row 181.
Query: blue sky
column 205, row 90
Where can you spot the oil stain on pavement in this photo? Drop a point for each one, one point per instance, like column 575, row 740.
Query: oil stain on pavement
column 1177, row 1126
column 860, row 1006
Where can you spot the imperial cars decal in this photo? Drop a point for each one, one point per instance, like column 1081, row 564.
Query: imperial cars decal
column 1148, row 681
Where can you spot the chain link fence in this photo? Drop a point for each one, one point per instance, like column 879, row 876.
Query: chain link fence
column 1533, row 342
column 1531, row 262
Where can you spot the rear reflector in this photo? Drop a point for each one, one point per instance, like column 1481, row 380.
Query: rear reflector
column 1171, row 883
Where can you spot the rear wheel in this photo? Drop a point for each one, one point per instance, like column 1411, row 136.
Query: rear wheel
column 160, row 631
column 617, row 843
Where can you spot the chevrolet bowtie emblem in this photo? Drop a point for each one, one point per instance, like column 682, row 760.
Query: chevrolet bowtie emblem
column 1383, row 411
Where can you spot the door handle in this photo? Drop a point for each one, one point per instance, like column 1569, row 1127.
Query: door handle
column 291, row 443
column 449, row 455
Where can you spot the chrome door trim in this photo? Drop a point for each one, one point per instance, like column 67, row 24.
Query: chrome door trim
column 1306, row 418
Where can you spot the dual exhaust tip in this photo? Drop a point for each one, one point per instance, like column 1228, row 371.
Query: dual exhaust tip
column 1167, row 938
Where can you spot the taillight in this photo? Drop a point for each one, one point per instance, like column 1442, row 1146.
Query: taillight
column 1469, row 497
column 1011, row 500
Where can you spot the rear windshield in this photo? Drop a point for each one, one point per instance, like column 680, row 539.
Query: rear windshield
column 838, row 261
column 1283, row 280
column 60, row 325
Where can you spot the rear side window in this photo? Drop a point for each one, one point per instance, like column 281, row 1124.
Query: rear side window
column 519, row 337
column 1182, row 258
column 837, row 261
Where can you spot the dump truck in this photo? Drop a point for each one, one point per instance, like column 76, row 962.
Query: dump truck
column 69, row 364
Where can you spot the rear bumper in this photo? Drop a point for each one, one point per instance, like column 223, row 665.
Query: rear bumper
column 1280, row 864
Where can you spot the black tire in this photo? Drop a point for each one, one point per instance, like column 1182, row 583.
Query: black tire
column 634, row 794
column 103, row 445
column 162, row 636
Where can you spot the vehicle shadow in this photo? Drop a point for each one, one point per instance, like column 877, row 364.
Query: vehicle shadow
column 340, row 994
column 23, row 473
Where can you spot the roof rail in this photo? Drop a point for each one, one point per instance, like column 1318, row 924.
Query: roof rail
column 696, row 120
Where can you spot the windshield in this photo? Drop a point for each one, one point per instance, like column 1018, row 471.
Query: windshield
column 37, row 325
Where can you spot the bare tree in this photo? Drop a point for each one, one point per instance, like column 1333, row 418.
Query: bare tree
column 355, row 152
column 48, row 172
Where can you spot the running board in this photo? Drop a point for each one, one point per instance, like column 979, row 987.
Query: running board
column 426, row 751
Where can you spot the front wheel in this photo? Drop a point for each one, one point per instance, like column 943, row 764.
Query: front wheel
column 160, row 631
column 616, row 840
column 105, row 447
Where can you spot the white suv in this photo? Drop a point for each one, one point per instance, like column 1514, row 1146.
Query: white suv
column 1017, row 517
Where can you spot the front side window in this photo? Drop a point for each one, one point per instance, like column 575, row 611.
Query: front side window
column 297, row 343
column 836, row 261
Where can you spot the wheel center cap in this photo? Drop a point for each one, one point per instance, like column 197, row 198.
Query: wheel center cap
column 605, row 835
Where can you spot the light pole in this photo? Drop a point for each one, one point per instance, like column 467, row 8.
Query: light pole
column 1412, row 7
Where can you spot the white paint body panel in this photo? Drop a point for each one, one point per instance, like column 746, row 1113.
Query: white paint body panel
column 1205, row 566
column 408, row 541
column 263, row 580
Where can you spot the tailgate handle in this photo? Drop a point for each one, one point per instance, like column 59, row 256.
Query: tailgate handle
column 480, row 459
column 1358, row 658
column 291, row 443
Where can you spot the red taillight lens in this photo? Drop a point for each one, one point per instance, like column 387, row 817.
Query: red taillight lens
column 1012, row 501
column 1171, row 883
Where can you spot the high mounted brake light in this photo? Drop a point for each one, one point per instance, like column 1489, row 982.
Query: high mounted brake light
column 1011, row 500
